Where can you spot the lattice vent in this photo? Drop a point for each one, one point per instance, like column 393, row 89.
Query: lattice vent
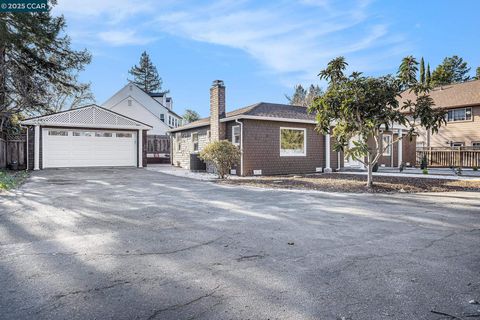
column 104, row 117
column 58, row 118
column 127, row 122
column 83, row 116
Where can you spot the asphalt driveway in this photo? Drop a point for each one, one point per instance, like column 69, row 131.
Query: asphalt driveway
column 137, row 244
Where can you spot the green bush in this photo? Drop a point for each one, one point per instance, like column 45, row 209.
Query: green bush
column 424, row 163
column 222, row 155
column 475, row 168
column 425, row 171
column 11, row 179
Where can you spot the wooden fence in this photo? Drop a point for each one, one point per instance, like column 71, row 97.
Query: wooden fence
column 465, row 157
column 158, row 149
column 13, row 151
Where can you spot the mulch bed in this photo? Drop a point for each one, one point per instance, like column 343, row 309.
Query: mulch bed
column 356, row 183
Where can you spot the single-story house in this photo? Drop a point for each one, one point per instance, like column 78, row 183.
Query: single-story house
column 461, row 101
column 90, row 136
column 273, row 139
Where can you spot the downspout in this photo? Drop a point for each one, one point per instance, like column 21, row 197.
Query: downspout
column 27, row 149
column 241, row 146
column 339, row 165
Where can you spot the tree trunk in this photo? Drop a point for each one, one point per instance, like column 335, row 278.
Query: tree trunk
column 370, row 177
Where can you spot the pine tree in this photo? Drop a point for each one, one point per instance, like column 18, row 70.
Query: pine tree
column 451, row 70
column 422, row 71
column 477, row 74
column 145, row 75
column 428, row 75
column 298, row 97
column 313, row 92
column 36, row 62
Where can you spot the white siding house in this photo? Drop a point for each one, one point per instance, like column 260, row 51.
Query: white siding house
column 154, row 109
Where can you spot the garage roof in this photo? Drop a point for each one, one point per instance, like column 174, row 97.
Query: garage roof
column 91, row 116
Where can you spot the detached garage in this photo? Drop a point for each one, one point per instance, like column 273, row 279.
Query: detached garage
column 91, row 136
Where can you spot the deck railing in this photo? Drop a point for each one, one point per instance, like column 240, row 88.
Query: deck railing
column 465, row 157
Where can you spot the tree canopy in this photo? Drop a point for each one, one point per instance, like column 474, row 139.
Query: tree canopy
column 452, row 70
column 303, row 97
column 363, row 107
column 190, row 116
column 36, row 63
column 145, row 75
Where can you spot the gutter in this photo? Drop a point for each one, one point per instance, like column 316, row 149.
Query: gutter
column 235, row 118
column 241, row 146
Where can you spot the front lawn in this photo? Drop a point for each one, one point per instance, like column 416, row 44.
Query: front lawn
column 11, row 179
column 356, row 183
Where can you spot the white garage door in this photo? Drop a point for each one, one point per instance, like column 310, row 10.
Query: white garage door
column 88, row 148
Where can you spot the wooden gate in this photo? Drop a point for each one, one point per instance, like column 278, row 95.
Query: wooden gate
column 158, row 149
column 13, row 151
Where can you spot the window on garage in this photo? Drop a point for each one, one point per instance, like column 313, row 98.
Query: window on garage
column 123, row 135
column 58, row 133
column 83, row 133
column 103, row 134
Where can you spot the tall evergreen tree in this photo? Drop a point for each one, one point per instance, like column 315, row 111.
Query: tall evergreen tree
column 477, row 74
column 36, row 61
column 428, row 76
column 407, row 72
column 452, row 70
column 145, row 75
column 422, row 71
column 298, row 97
column 313, row 92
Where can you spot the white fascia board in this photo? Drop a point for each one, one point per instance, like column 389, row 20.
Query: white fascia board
column 82, row 125
column 268, row 119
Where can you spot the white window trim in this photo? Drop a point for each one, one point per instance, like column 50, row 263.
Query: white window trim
column 193, row 142
column 304, row 154
column 233, row 135
column 387, row 152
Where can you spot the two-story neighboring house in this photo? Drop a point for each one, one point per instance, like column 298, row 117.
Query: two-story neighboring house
column 154, row 109
column 461, row 102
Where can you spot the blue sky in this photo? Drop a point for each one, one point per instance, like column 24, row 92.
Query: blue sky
column 261, row 49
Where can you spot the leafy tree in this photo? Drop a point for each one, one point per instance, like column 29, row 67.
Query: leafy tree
column 59, row 101
column 190, row 116
column 298, row 97
column 451, row 70
column 407, row 72
column 428, row 76
column 366, row 106
column 303, row 97
column 145, row 75
column 422, row 71
column 36, row 61
column 477, row 74
column 223, row 155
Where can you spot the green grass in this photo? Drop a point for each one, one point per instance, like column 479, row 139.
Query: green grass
column 11, row 179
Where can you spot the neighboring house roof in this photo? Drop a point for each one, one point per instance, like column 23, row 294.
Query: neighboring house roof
column 451, row 95
column 91, row 116
column 261, row 111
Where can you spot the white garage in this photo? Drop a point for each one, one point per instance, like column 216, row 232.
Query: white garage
column 85, row 137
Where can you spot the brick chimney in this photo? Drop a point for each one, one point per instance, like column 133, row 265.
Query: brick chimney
column 217, row 111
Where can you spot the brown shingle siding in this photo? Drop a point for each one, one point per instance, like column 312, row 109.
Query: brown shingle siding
column 262, row 149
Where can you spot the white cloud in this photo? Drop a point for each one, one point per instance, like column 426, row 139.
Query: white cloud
column 124, row 37
column 293, row 40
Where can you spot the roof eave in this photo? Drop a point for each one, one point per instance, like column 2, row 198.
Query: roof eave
column 267, row 119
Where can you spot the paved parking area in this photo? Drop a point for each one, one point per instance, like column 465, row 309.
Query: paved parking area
column 138, row 244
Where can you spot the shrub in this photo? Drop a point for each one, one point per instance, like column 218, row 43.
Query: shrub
column 458, row 171
column 425, row 171
column 424, row 163
column 475, row 168
column 222, row 155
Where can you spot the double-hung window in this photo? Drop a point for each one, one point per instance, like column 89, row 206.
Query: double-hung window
column 387, row 145
column 195, row 141
column 236, row 135
column 293, row 142
column 461, row 114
